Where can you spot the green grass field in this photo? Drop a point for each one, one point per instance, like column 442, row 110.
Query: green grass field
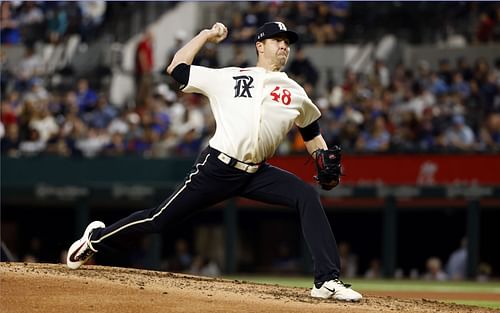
column 365, row 286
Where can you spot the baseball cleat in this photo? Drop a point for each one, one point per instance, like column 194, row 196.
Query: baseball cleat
column 81, row 250
column 337, row 290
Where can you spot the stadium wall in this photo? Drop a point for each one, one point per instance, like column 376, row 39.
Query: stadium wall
column 398, row 204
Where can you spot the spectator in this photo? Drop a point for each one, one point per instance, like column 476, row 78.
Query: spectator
column 9, row 24
column 190, row 144
column 459, row 135
column 321, row 26
column 456, row 267
column 26, row 114
column 92, row 18
column 142, row 142
column 204, row 267
column 348, row 136
column 144, row 59
column 182, row 258
column 434, row 270
column 302, row 69
column 301, row 14
column 102, row 115
column 192, row 119
column 379, row 74
column 256, row 14
column 86, row 97
column 8, row 113
column 31, row 21
column 374, row 271
column 74, row 17
column 339, row 12
column 489, row 134
column 490, row 93
column 485, row 27
column 69, row 113
column 33, row 145
column 57, row 23
column 44, row 123
column 10, row 141
column 159, row 114
column 438, row 85
column 444, row 71
column 460, row 86
column 92, row 142
column 429, row 132
column 405, row 137
column 376, row 138
column 30, row 67
column 496, row 71
column 37, row 91
column 484, row 272
column 116, row 146
column 119, row 124
column 348, row 260
column 481, row 70
column 166, row 145
column 6, row 75
column 59, row 145
column 240, row 33
column 464, row 68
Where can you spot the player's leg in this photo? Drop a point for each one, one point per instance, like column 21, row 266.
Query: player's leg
column 210, row 181
column 276, row 186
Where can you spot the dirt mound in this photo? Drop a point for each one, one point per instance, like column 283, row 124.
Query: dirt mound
column 44, row 288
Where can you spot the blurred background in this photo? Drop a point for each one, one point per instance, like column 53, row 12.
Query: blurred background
column 91, row 128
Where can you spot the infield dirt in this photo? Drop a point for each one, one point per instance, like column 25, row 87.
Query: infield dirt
column 30, row 288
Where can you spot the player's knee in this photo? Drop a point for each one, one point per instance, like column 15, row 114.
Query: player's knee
column 307, row 194
column 310, row 191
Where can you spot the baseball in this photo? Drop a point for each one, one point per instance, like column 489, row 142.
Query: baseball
column 220, row 28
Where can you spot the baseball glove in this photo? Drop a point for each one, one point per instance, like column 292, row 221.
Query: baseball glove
column 328, row 167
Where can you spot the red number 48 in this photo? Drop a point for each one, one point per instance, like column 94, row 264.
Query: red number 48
column 286, row 96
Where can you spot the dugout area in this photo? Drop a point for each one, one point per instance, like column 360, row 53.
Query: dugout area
column 250, row 237
column 400, row 226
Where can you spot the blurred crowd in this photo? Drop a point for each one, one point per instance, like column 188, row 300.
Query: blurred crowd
column 82, row 122
column 50, row 21
column 327, row 22
column 454, row 107
column 455, row 267
column 315, row 22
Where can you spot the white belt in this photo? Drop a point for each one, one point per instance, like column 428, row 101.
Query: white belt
column 237, row 164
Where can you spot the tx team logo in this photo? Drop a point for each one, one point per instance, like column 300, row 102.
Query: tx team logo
column 281, row 25
column 242, row 86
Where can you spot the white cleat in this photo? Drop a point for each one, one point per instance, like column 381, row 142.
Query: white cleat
column 81, row 250
column 337, row 290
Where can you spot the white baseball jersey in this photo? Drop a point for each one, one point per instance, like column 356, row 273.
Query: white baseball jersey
column 253, row 108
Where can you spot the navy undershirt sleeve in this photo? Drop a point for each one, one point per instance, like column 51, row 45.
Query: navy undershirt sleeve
column 181, row 73
column 310, row 131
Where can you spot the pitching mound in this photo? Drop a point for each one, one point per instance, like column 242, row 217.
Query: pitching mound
column 54, row 288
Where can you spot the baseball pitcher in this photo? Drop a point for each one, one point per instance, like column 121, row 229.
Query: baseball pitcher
column 254, row 108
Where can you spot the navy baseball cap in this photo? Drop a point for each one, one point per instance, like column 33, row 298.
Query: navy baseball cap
column 273, row 29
